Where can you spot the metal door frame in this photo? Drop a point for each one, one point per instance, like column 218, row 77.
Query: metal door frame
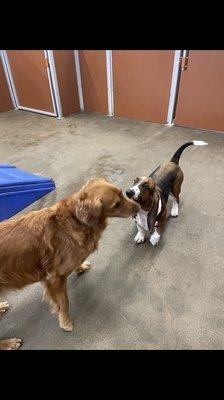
column 109, row 72
column 110, row 89
column 8, row 80
column 79, row 79
column 174, row 89
column 53, row 85
column 54, row 82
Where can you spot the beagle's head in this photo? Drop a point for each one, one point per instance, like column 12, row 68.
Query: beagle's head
column 141, row 191
column 99, row 199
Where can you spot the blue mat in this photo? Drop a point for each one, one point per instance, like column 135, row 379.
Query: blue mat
column 19, row 189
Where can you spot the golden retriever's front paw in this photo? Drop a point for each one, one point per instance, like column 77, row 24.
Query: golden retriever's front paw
column 66, row 324
column 10, row 344
column 4, row 306
column 84, row 267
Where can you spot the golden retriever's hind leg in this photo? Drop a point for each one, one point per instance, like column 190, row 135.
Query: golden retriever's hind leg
column 56, row 291
column 84, row 267
column 10, row 344
column 4, row 306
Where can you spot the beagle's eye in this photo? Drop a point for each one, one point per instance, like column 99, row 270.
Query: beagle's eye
column 135, row 180
column 145, row 186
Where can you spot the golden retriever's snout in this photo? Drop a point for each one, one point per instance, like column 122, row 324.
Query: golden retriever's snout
column 133, row 207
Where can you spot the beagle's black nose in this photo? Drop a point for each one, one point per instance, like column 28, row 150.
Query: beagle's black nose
column 130, row 193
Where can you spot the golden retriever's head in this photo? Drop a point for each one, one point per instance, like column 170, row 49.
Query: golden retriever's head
column 99, row 199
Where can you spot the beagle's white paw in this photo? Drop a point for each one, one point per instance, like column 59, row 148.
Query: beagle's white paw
column 154, row 239
column 139, row 238
column 175, row 209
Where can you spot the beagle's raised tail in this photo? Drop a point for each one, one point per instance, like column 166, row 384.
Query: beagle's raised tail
column 177, row 154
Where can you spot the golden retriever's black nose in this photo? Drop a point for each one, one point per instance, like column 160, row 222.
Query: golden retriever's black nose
column 130, row 193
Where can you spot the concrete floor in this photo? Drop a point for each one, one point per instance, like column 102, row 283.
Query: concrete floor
column 168, row 297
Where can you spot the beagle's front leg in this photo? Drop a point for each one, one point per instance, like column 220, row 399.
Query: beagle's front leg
column 154, row 238
column 140, row 237
column 159, row 227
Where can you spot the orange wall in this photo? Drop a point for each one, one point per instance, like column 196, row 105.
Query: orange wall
column 67, row 83
column 94, row 80
column 142, row 81
column 201, row 96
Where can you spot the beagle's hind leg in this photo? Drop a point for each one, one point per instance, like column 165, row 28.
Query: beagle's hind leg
column 175, row 191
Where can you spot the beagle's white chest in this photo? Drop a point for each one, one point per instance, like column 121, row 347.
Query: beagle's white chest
column 141, row 219
column 142, row 215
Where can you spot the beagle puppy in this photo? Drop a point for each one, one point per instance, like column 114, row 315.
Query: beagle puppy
column 152, row 195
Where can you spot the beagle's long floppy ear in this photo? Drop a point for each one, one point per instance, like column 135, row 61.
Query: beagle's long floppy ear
column 151, row 184
column 151, row 218
column 89, row 210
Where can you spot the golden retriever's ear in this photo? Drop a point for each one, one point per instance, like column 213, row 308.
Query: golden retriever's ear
column 89, row 211
column 103, row 179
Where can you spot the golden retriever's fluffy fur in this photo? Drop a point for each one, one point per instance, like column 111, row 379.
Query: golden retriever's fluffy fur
column 47, row 245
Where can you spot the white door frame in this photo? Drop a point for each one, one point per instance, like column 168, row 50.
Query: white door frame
column 9, row 78
column 54, row 80
column 109, row 69
column 174, row 87
column 79, row 80
column 110, row 93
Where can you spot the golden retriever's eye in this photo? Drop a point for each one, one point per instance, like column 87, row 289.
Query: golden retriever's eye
column 135, row 180
column 117, row 204
column 145, row 186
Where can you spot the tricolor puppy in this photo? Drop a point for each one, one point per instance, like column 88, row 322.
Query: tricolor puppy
column 152, row 194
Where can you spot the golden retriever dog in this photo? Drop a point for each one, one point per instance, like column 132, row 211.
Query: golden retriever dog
column 48, row 245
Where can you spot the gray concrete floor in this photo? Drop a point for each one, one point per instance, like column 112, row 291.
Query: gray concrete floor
column 168, row 297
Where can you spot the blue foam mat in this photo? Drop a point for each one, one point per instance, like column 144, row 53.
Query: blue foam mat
column 19, row 189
